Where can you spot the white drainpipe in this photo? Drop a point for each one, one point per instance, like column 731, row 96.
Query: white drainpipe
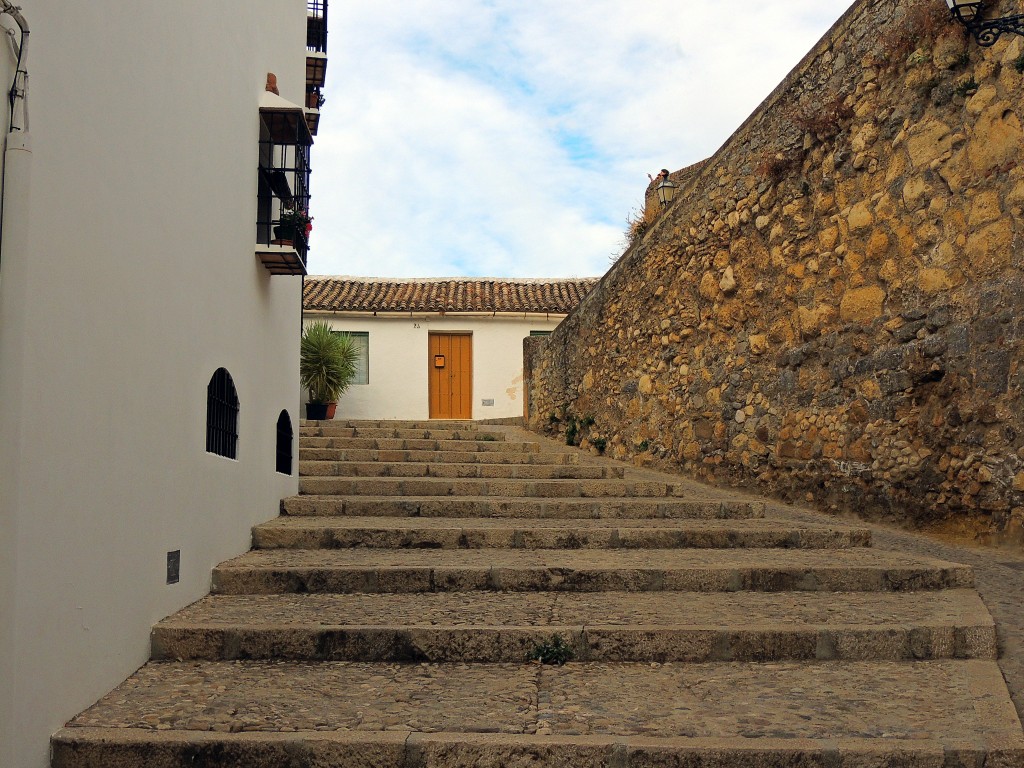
column 15, row 184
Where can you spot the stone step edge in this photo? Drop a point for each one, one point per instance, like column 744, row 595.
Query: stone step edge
column 517, row 488
column 506, row 508
column 344, row 469
column 531, row 533
column 86, row 747
column 538, row 459
column 456, row 446
column 349, row 423
column 186, row 641
column 406, row 434
column 257, row 579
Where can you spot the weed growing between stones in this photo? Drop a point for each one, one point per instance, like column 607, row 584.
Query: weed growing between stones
column 823, row 119
column 778, row 166
column 552, row 651
column 571, row 431
column 574, row 428
column 968, row 86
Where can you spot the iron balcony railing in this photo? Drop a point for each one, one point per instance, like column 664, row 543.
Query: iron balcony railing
column 283, row 181
column 316, row 26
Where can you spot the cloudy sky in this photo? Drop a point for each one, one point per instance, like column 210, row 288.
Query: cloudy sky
column 512, row 138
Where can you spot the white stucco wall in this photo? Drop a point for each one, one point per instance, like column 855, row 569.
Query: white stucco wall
column 137, row 281
column 398, row 387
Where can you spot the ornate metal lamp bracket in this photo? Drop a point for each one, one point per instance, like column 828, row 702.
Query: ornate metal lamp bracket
column 984, row 31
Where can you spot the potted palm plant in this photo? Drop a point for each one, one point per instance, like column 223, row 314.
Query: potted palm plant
column 327, row 365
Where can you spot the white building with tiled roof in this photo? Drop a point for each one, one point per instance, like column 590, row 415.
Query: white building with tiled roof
column 440, row 348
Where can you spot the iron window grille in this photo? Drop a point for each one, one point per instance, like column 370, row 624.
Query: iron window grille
column 283, row 177
column 284, row 443
column 222, row 415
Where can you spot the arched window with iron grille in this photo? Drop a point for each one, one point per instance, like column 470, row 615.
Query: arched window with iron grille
column 222, row 415
column 284, row 443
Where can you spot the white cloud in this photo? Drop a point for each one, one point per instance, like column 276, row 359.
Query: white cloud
column 482, row 137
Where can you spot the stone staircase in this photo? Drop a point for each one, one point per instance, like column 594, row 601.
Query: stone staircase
column 385, row 619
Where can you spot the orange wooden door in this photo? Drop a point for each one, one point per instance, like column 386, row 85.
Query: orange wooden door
column 450, row 369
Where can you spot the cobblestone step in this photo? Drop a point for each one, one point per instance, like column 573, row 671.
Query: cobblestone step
column 654, row 627
column 472, row 533
column 510, row 488
column 348, row 469
column 707, row 507
column 460, row 424
column 698, row 570
column 342, row 714
column 439, row 457
column 432, row 433
column 416, row 444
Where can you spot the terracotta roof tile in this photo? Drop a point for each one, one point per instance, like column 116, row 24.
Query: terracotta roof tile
column 455, row 294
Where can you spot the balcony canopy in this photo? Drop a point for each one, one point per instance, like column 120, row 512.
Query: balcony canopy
column 286, row 121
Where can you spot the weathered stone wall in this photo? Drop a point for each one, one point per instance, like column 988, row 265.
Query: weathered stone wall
column 831, row 309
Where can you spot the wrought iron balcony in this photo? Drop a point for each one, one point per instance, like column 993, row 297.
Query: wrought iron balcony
column 283, row 187
column 316, row 60
column 314, row 101
column 316, row 26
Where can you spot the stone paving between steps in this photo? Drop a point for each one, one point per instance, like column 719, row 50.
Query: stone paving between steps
column 386, row 570
column 951, row 703
column 505, row 627
column 952, row 607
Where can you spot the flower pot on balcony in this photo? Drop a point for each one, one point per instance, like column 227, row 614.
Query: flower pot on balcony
column 285, row 234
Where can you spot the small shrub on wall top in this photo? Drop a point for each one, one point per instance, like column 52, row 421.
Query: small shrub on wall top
column 638, row 224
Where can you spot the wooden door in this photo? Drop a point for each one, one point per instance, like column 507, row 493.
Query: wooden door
column 450, row 369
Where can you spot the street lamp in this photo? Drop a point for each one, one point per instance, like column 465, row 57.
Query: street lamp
column 666, row 192
column 984, row 31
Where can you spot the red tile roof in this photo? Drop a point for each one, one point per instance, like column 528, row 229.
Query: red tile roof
column 441, row 294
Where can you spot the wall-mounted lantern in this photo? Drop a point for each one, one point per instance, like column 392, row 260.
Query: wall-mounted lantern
column 666, row 192
column 984, row 31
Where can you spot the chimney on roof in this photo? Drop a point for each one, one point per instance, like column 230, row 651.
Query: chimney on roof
column 272, row 84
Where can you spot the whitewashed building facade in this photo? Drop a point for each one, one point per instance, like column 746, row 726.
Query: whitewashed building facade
column 148, row 313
